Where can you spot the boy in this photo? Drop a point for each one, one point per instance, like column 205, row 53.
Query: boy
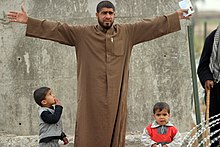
column 50, row 123
column 161, row 133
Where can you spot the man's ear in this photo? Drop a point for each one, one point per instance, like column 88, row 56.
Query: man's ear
column 96, row 14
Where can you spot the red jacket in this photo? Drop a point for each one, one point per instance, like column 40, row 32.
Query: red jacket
column 168, row 137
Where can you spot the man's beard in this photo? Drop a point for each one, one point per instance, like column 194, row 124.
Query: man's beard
column 106, row 26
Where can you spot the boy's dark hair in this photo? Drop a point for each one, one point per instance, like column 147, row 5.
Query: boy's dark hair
column 160, row 106
column 104, row 4
column 40, row 94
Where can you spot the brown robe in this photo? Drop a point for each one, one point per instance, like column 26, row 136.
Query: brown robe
column 102, row 70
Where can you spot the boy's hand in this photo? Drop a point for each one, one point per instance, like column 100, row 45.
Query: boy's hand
column 57, row 101
column 65, row 140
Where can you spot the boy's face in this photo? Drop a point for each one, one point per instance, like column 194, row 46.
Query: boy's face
column 162, row 117
column 49, row 99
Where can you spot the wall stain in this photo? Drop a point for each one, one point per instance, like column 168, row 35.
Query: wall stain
column 4, row 19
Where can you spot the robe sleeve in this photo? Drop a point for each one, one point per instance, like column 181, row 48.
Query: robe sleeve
column 203, row 71
column 52, row 118
column 149, row 29
column 55, row 31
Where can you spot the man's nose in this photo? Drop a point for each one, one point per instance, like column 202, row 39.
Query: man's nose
column 108, row 15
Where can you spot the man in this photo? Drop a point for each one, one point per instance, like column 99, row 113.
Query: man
column 209, row 75
column 103, row 52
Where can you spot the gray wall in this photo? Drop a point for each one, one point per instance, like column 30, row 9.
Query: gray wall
column 159, row 69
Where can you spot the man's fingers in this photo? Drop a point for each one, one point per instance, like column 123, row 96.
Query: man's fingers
column 211, row 84
column 11, row 15
column 22, row 9
column 13, row 20
column 13, row 12
column 185, row 10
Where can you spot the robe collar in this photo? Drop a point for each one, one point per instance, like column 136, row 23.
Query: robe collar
column 155, row 124
column 108, row 31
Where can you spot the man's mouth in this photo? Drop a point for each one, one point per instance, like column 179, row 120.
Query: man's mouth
column 107, row 21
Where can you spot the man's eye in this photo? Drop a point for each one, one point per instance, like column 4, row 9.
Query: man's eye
column 107, row 12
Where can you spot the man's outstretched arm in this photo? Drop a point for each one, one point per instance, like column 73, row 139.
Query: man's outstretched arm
column 43, row 29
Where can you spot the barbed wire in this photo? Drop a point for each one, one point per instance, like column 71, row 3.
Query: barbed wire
column 200, row 134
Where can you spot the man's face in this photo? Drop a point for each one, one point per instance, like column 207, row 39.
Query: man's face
column 106, row 17
column 162, row 117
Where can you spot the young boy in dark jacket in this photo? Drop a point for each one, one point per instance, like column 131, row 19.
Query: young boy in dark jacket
column 51, row 129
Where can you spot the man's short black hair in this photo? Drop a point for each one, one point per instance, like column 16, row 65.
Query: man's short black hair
column 40, row 94
column 104, row 4
column 160, row 106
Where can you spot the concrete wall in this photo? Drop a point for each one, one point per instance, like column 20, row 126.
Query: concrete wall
column 159, row 69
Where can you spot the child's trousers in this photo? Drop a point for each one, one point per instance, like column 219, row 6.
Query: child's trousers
column 53, row 143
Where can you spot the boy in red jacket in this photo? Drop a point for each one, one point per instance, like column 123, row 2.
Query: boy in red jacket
column 161, row 133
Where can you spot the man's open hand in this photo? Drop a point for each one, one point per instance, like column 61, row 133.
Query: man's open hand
column 20, row 17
